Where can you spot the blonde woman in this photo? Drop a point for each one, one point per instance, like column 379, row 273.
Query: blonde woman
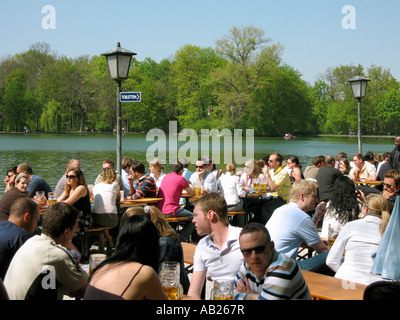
column 157, row 171
column 360, row 239
column 170, row 246
column 105, row 212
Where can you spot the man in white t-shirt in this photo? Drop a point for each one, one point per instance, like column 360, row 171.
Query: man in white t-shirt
column 290, row 225
column 218, row 253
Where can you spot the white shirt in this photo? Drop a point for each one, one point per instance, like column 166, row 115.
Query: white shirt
column 231, row 188
column 359, row 239
column 158, row 182
column 104, row 196
column 289, row 226
column 220, row 264
column 209, row 181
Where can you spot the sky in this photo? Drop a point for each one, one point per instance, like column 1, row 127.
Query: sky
column 316, row 34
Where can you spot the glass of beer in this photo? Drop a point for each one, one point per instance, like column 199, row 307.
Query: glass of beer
column 256, row 185
column 94, row 260
column 169, row 277
column 90, row 187
column 332, row 235
column 197, row 188
column 52, row 198
column 222, row 290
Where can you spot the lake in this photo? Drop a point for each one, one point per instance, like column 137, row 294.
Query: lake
column 48, row 154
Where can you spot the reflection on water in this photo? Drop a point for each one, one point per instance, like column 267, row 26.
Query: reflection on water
column 49, row 154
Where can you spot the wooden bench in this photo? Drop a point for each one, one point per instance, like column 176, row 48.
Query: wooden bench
column 85, row 239
column 324, row 287
column 234, row 213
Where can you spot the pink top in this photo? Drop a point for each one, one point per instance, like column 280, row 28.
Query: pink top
column 171, row 190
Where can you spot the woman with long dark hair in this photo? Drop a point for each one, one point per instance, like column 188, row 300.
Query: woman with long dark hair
column 170, row 246
column 76, row 193
column 343, row 206
column 131, row 272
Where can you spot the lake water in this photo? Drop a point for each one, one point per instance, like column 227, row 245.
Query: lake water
column 49, row 154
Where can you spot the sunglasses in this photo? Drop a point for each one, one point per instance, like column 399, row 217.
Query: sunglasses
column 387, row 185
column 70, row 177
column 200, row 167
column 257, row 250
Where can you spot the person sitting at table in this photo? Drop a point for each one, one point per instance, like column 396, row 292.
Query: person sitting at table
column 218, row 253
column 146, row 186
column 36, row 183
column 110, row 164
column 326, row 177
column 359, row 239
column 43, row 267
column 19, row 191
column 203, row 178
column 363, row 171
column 344, row 166
column 343, row 206
column 311, row 171
column 131, row 272
column 10, row 176
column 170, row 245
column 157, row 171
column 290, row 225
column 126, row 164
column 106, row 195
column 170, row 191
column 293, row 164
column 230, row 187
column 391, row 187
column 267, row 274
column 76, row 193
column 72, row 163
column 278, row 181
column 24, row 216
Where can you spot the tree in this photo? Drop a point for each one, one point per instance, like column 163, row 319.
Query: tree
column 191, row 73
column 15, row 106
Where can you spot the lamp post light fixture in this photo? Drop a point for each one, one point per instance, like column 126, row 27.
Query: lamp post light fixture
column 119, row 62
column 359, row 88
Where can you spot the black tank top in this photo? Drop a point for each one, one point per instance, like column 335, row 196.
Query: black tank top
column 93, row 293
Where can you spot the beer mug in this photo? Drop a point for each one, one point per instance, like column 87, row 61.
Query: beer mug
column 52, row 198
column 222, row 290
column 94, row 260
column 332, row 235
column 169, row 277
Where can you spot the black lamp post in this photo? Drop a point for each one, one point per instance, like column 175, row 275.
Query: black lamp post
column 359, row 89
column 119, row 61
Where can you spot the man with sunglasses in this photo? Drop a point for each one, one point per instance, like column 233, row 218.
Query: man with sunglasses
column 391, row 187
column 267, row 274
column 203, row 178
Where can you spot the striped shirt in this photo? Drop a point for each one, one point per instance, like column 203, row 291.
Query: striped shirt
column 283, row 280
column 146, row 188
column 282, row 179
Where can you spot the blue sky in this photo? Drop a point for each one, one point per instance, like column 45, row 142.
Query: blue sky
column 310, row 30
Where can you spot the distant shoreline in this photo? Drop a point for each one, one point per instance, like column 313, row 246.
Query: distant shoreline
column 137, row 133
